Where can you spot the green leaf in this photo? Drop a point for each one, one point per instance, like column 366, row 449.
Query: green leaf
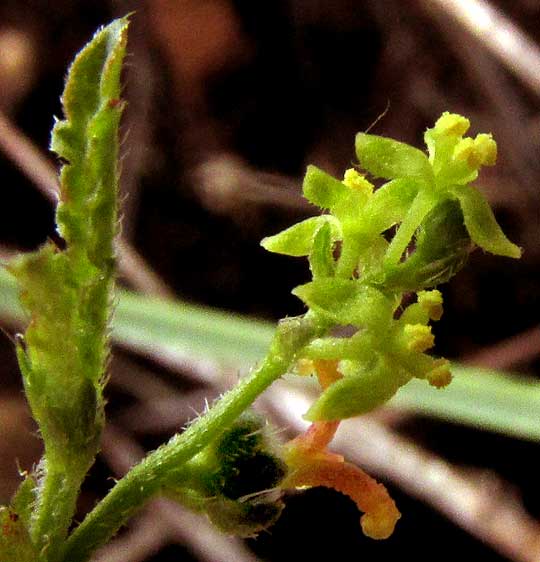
column 360, row 392
column 390, row 159
column 68, row 293
column 58, row 362
column 88, row 140
column 15, row 541
column 322, row 189
column 481, row 223
column 298, row 239
column 344, row 302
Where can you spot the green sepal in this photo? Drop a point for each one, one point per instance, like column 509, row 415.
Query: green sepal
column 481, row 223
column 390, row 159
column 442, row 246
column 298, row 239
column 322, row 189
column 321, row 259
column 362, row 389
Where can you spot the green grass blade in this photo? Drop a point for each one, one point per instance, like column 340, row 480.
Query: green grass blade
column 185, row 330
column 477, row 397
column 482, row 398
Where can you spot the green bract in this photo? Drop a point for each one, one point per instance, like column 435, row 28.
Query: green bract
column 361, row 269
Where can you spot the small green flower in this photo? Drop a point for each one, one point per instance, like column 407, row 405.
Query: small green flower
column 413, row 233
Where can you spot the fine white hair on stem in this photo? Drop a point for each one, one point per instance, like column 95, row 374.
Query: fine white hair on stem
column 121, row 452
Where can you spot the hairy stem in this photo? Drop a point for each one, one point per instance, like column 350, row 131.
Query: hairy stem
column 146, row 479
column 56, row 506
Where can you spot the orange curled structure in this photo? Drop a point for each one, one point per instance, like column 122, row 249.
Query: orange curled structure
column 311, row 464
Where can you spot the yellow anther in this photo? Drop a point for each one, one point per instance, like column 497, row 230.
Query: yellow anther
column 418, row 337
column 486, row 149
column 357, row 181
column 305, row 367
column 465, row 151
column 432, row 303
column 481, row 151
column 440, row 376
column 452, row 124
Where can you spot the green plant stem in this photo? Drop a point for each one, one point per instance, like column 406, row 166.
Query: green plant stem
column 58, row 493
column 422, row 204
column 145, row 480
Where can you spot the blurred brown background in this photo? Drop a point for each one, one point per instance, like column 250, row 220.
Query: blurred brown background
column 228, row 101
